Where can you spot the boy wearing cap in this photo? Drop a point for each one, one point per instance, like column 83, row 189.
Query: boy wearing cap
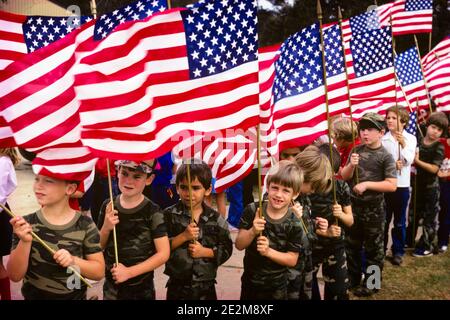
column 142, row 239
column 199, row 239
column 376, row 175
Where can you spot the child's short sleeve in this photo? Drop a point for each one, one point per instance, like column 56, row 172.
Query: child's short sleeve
column 91, row 242
column 101, row 215
column 439, row 155
column 390, row 170
column 158, row 226
column 296, row 236
column 248, row 216
column 343, row 193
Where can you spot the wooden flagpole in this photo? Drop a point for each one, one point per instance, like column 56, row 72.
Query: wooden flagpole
column 395, row 90
column 94, row 8
column 258, row 155
column 423, row 74
column 111, row 197
column 47, row 247
column 324, row 68
column 348, row 88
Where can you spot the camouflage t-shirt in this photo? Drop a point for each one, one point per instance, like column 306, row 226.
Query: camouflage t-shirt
column 322, row 206
column 214, row 234
column 285, row 235
column 136, row 230
column 45, row 279
column 432, row 154
column 374, row 165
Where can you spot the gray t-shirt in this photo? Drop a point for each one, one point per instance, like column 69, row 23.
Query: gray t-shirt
column 374, row 165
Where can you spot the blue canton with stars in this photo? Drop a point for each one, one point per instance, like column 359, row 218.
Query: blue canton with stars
column 364, row 22
column 220, row 35
column 334, row 55
column 371, row 51
column 135, row 11
column 40, row 31
column 407, row 67
column 412, row 125
column 416, row 5
column 299, row 67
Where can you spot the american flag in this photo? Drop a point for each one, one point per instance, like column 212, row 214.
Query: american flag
column 368, row 51
column 411, row 127
column 37, row 97
column 412, row 16
column 299, row 111
column 437, row 73
column 441, row 50
column 37, row 94
column 21, row 34
column 38, row 100
column 181, row 72
column 266, row 62
column 134, row 11
column 72, row 162
column 232, row 157
column 6, row 135
column 409, row 73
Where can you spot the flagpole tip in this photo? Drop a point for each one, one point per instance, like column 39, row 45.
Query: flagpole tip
column 319, row 10
column 339, row 13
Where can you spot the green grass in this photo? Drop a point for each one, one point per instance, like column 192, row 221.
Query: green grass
column 426, row 278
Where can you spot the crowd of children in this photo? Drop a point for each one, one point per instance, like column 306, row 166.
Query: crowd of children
column 323, row 206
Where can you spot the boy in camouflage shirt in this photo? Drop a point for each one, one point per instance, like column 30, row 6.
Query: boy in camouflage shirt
column 74, row 237
column 317, row 175
column 427, row 161
column 273, row 242
column 329, row 249
column 376, row 175
column 198, row 246
column 142, row 239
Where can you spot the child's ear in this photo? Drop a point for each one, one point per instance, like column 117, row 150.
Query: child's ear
column 208, row 191
column 71, row 188
column 149, row 179
column 295, row 196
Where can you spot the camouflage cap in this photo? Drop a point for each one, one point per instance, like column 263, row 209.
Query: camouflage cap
column 372, row 120
column 143, row 166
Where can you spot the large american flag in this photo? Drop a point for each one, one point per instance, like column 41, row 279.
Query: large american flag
column 437, row 74
column 233, row 156
column 181, row 72
column 37, row 94
column 299, row 112
column 412, row 16
column 134, row 11
column 409, row 73
column 20, row 35
column 38, row 99
column 368, row 51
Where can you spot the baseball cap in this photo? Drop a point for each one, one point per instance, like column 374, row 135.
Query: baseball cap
column 144, row 166
column 372, row 120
